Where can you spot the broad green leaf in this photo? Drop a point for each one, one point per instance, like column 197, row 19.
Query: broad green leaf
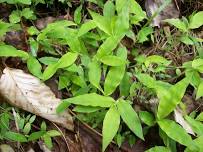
column 136, row 9
column 95, row 74
column 43, row 126
column 108, row 46
column 122, row 22
column 170, row 143
column 171, row 98
column 27, row 128
column 176, row 132
column 86, row 109
column 34, row 46
column 125, row 85
column 78, row 80
column 26, row 2
column 101, row 22
column 4, row 27
column 158, row 149
column 196, row 125
column 33, row 30
column 47, row 141
column 130, row 117
column 99, row 3
column 113, row 79
column 64, row 81
column 156, row 59
column 77, row 14
column 122, row 52
column 110, row 126
column 196, row 20
column 198, row 65
column 112, row 60
column 147, row 80
column 194, row 76
column 143, row 34
column 15, row 136
column 10, row 51
column 34, row 67
column 109, row 9
column 177, row 23
column 119, row 5
column 36, row 135
column 91, row 99
column 28, row 14
column 48, row 60
column 53, row 133
column 86, row 27
column 198, row 141
column 15, row 17
column 186, row 40
column 32, row 119
column 65, row 61
column 200, row 117
column 199, row 90
column 147, row 118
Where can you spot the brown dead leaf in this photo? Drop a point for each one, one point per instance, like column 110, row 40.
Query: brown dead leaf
column 170, row 11
column 179, row 119
column 29, row 93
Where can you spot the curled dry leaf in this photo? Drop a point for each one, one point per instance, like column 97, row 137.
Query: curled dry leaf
column 6, row 148
column 29, row 93
column 163, row 10
column 179, row 119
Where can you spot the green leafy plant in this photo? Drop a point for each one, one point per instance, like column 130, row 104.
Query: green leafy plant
column 90, row 60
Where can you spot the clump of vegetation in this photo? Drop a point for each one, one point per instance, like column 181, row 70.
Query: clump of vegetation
column 98, row 56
